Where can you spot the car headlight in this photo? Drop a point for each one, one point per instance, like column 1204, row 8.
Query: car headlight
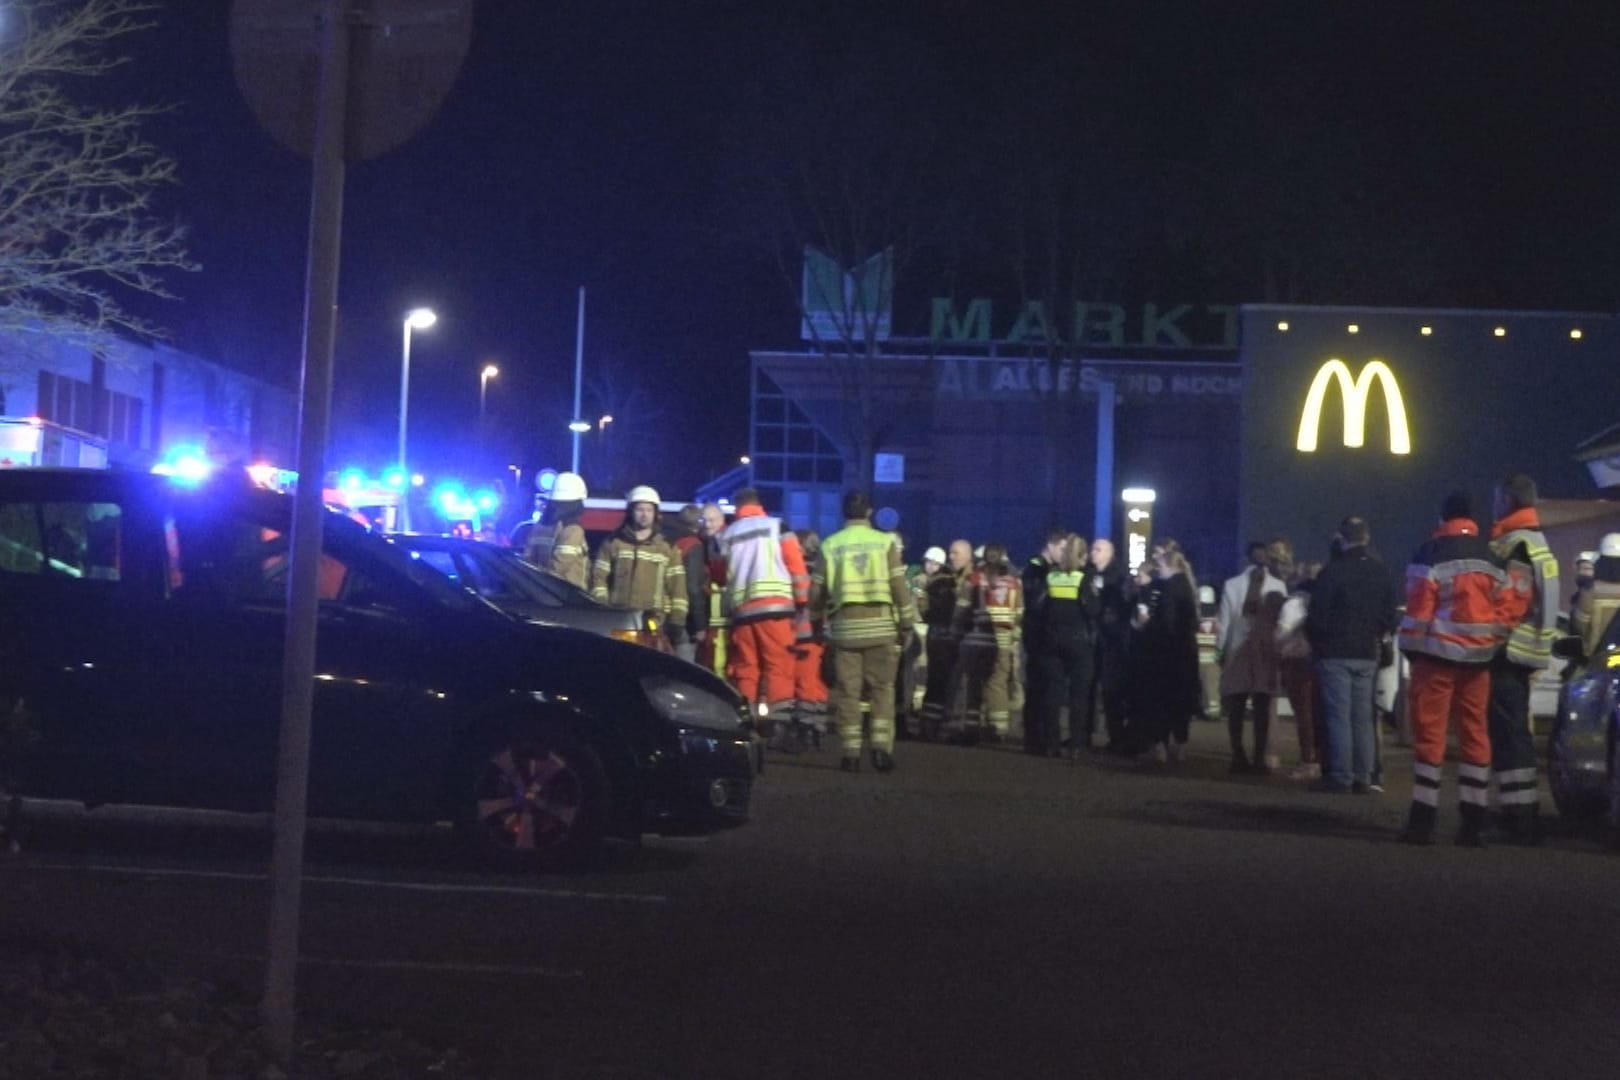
column 686, row 705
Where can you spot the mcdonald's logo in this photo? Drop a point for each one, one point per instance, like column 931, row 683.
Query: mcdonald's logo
column 1355, row 393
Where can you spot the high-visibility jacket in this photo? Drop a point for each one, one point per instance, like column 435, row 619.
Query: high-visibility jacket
column 1532, row 607
column 1595, row 608
column 765, row 572
column 858, row 587
column 1455, row 589
column 561, row 550
column 645, row 574
column 988, row 602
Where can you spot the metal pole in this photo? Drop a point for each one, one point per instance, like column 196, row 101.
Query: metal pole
column 579, row 369
column 404, row 407
column 298, row 666
column 1102, row 523
column 483, row 389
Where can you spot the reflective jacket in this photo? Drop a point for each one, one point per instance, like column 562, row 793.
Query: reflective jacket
column 561, row 550
column 1533, row 574
column 991, row 603
column 1455, row 588
column 859, row 587
column 765, row 574
column 643, row 574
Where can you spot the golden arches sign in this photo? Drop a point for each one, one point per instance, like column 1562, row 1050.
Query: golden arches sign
column 1355, row 392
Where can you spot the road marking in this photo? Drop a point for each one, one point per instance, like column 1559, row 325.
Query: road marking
column 365, row 883
column 439, row 967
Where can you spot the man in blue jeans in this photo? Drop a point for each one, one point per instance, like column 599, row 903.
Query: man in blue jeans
column 1353, row 605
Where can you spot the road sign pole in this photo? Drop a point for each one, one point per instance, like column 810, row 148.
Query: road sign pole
column 298, row 667
column 579, row 374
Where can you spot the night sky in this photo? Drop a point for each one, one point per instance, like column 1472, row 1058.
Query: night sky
column 1426, row 154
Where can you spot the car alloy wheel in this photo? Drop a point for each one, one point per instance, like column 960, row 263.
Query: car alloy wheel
column 537, row 802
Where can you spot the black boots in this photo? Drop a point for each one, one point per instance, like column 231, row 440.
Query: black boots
column 1521, row 826
column 1470, row 832
column 883, row 761
column 1419, row 825
column 850, row 763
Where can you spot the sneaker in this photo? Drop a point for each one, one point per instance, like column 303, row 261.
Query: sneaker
column 1375, row 788
column 1305, row 770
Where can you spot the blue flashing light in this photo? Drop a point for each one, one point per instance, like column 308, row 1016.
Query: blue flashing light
column 450, row 497
column 486, row 500
column 185, row 464
column 396, row 479
column 545, row 480
column 352, row 480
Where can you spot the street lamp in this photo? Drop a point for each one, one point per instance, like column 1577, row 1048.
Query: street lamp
column 416, row 319
column 489, row 372
column 579, row 427
column 601, row 425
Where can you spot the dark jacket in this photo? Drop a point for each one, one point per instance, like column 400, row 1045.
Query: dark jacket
column 1353, row 605
column 1061, row 606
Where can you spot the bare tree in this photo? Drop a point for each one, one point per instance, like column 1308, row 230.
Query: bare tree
column 844, row 174
column 78, row 225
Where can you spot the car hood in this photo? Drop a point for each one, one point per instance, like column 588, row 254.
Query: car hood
column 565, row 658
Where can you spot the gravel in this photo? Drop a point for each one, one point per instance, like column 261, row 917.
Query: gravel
column 70, row 1012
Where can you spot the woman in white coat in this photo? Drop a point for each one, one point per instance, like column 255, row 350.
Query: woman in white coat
column 1245, row 634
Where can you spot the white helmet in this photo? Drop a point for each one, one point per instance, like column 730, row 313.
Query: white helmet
column 569, row 487
column 641, row 493
column 1609, row 546
column 934, row 554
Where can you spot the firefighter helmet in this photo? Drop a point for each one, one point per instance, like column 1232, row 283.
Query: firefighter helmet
column 934, row 554
column 1609, row 547
column 569, row 487
column 641, row 493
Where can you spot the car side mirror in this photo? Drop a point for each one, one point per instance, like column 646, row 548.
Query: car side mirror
column 1569, row 648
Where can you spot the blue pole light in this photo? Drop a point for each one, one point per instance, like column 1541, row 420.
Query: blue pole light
column 396, row 479
column 486, row 501
column 352, row 480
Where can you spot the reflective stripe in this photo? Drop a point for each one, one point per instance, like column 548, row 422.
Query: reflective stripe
column 1064, row 584
column 1516, row 776
column 1524, row 797
column 1473, row 796
column 1474, row 774
column 1426, row 772
column 1426, row 796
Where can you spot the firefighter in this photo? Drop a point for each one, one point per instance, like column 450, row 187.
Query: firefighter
column 989, row 616
column 809, row 688
column 711, row 649
column 766, row 583
column 859, row 592
column 939, row 612
column 1596, row 605
column 1532, row 612
column 689, row 546
column 1453, row 626
column 637, row 568
column 557, row 544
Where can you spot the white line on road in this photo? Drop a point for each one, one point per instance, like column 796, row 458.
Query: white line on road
column 439, row 967
column 364, row 883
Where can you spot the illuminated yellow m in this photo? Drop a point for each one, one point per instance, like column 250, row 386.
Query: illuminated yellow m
column 1355, row 392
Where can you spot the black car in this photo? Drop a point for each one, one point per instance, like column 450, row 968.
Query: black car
column 501, row 576
column 1583, row 747
column 141, row 627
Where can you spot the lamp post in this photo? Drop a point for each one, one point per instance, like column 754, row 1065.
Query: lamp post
column 490, row 371
column 416, row 319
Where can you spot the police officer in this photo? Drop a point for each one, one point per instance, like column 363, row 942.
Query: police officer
column 1060, row 622
column 938, row 613
column 859, row 591
column 1531, row 607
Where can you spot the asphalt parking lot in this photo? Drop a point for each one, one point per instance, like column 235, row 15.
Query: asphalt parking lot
column 977, row 913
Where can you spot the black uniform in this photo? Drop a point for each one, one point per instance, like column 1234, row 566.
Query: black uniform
column 1060, row 631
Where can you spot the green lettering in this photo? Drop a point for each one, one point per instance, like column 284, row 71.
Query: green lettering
column 973, row 326
column 1099, row 324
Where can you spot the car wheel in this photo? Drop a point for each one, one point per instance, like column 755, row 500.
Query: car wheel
column 535, row 800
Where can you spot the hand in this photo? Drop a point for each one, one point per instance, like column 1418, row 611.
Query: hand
column 675, row 632
column 903, row 636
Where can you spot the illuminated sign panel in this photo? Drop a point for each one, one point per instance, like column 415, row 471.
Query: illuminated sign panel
column 1354, row 392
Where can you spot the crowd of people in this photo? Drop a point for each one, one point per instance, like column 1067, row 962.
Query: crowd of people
column 1097, row 659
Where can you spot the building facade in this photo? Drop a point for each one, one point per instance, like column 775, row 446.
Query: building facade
column 133, row 402
column 1280, row 422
